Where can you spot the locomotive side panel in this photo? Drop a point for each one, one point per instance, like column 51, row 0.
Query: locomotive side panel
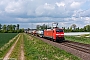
column 48, row 33
column 54, row 34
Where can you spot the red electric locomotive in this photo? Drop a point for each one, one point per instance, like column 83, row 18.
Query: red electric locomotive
column 55, row 34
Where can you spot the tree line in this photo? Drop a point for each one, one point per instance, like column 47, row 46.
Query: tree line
column 10, row 29
column 72, row 28
column 42, row 27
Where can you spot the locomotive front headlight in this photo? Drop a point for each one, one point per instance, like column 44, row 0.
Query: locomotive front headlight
column 62, row 34
column 57, row 34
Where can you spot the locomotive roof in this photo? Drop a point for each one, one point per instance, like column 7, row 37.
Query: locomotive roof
column 53, row 29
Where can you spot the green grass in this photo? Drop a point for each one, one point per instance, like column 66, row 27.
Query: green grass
column 81, row 39
column 5, row 37
column 4, row 49
column 36, row 49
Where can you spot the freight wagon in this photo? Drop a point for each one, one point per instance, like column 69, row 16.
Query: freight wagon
column 40, row 33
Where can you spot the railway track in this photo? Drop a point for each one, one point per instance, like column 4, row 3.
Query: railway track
column 79, row 49
column 78, row 46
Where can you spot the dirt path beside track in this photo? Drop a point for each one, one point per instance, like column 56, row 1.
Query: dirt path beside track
column 22, row 50
column 11, row 49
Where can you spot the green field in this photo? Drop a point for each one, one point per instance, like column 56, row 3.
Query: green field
column 81, row 39
column 36, row 49
column 5, row 37
column 6, row 41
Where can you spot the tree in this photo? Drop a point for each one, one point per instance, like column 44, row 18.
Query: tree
column 48, row 27
column 0, row 26
column 17, row 26
column 42, row 27
column 21, row 30
column 87, row 27
column 77, row 29
column 28, row 29
column 81, row 30
column 70, row 29
column 14, row 27
column 73, row 26
column 38, row 27
column 4, row 28
column 10, row 28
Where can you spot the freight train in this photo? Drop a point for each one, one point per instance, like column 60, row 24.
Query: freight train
column 55, row 34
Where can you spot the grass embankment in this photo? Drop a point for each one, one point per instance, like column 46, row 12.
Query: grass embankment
column 17, row 49
column 81, row 39
column 36, row 49
column 6, row 43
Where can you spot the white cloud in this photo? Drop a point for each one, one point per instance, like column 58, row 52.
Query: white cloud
column 85, row 13
column 22, row 19
column 75, row 5
column 2, row 2
column 14, row 7
column 49, row 6
column 88, row 18
column 45, row 10
column 60, row 4
column 39, row 10
column 31, row 0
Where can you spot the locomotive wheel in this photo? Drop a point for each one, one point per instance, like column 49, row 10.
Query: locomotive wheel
column 63, row 39
column 51, row 39
column 54, row 40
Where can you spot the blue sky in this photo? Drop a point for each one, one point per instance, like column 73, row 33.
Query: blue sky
column 29, row 13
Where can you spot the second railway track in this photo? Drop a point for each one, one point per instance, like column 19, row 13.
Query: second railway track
column 78, row 46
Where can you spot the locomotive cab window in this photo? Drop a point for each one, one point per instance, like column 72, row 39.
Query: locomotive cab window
column 59, row 30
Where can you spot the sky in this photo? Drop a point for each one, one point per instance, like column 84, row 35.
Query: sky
column 29, row 13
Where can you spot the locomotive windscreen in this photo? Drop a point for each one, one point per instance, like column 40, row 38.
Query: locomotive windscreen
column 59, row 30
